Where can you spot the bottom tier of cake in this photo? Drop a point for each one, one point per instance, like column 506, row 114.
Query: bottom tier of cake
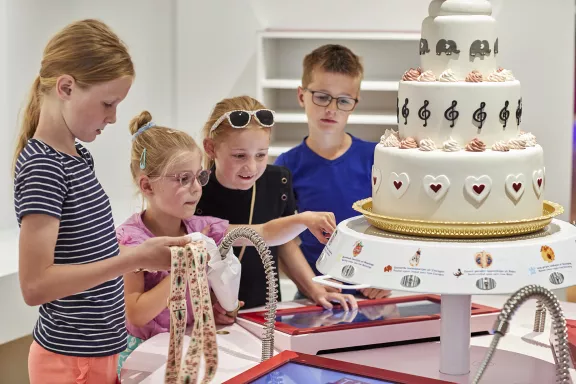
column 458, row 186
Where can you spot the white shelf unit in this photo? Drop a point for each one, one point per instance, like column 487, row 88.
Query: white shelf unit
column 385, row 55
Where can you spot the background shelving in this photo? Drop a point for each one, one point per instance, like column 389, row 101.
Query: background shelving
column 386, row 55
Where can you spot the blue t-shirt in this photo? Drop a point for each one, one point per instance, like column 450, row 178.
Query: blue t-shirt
column 324, row 185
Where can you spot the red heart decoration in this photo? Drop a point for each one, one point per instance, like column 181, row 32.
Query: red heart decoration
column 478, row 188
column 539, row 182
column 397, row 184
column 374, row 180
column 517, row 186
column 435, row 187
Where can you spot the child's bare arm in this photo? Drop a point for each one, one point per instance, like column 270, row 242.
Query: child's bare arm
column 42, row 281
column 282, row 230
column 142, row 307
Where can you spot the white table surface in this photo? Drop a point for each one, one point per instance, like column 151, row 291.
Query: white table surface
column 241, row 350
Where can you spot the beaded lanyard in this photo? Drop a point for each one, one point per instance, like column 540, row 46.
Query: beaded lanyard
column 189, row 266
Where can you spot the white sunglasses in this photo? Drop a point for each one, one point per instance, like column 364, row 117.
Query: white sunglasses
column 241, row 118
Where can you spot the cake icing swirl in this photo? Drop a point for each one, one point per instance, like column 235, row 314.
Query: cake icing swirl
column 451, row 145
column 509, row 75
column 391, row 141
column 500, row 146
column 427, row 145
column 476, row 145
column 389, row 132
column 411, row 75
column 496, row 77
column 448, row 76
column 529, row 139
column 427, row 76
column 474, row 77
column 408, row 143
column 517, row 143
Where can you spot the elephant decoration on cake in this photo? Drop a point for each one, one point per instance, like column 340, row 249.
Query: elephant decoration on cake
column 480, row 48
column 424, row 47
column 496, row 47
column 446, row 46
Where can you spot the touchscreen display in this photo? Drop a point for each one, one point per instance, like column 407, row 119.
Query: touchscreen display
column 294, row 373
column 363, row 314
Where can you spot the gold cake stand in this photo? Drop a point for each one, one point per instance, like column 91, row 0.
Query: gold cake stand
column 454, row 229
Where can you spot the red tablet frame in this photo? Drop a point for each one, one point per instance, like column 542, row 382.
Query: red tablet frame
column 258, row 317
column 285, row 357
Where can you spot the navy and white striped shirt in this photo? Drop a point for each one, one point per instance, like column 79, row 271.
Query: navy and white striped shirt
column 90, row 323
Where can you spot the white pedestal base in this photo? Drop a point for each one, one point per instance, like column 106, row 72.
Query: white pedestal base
column 455, row 334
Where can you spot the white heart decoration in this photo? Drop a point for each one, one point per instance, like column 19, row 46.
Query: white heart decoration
column 398, row 183
column 478, row 187
column 515, row 185
column 436, row 187
column 538, row 181
column 376, row 179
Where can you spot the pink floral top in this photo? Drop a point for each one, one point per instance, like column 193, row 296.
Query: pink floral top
column 133, row 232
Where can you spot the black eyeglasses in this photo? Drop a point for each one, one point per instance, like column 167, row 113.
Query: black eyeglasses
column 187, row 178
column 322, row 99
column 241, row 119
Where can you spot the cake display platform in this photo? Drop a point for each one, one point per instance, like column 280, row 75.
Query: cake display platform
column 364, row 256
column 360, row 254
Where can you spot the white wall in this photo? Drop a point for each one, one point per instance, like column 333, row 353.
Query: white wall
column 216, row 57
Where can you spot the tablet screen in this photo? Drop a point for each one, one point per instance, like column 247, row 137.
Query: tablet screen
column 363, row 314
column 295, row 373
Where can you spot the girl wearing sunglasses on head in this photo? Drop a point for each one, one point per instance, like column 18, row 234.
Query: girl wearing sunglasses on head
column 166, row 166
column 245, row 189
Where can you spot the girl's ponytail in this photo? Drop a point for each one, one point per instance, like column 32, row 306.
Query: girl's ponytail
column 29, row 120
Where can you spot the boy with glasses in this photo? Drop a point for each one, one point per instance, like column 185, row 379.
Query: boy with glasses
column 331, row 169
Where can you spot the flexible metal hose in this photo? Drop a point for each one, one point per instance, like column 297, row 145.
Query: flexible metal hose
column 551, row 303
column 271, row 282
column 539, row 322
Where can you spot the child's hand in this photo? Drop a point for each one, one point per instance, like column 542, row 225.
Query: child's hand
column 154, row 254
column 220, row 316
column 375, row 293
column 206, row 230
column 321, row 224
column 325, row 299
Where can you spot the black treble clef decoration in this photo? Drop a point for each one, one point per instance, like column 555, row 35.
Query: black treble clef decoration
column 424, row 113
column 405, row 111
column 479, row 115
column 505, row 113
column 452, row 114
column 519, row 112
column 398, row 110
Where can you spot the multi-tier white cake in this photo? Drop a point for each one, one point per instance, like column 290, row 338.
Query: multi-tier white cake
column 459, row 153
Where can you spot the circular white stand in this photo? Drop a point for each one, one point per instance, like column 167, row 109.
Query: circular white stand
column 364, row 256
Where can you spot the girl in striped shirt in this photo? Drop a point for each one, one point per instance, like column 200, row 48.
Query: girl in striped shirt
column 70, row 263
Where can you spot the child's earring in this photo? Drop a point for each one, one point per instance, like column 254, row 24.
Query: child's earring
column 143, row 159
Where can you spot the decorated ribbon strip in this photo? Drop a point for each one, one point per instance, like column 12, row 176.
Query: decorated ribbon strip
column 189, row 269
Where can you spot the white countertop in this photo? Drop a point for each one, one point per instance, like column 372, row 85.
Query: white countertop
column 240, row 350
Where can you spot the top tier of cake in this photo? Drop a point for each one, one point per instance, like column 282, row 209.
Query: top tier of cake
column 459, row 35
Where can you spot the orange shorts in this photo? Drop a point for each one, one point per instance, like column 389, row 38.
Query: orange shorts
column 51, row 368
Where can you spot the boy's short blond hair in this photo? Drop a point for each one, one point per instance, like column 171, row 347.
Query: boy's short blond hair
column 332, row 58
